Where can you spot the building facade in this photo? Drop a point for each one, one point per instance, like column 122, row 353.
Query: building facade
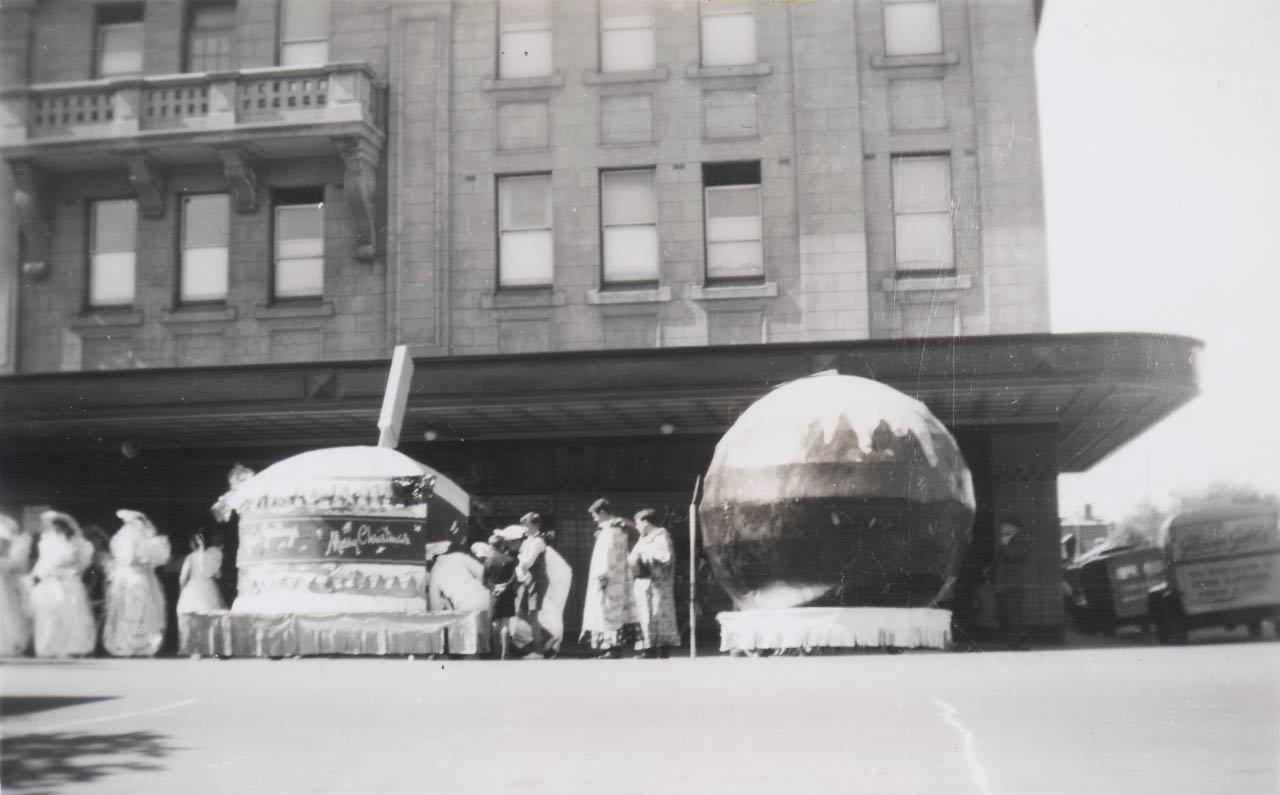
column 275, row 189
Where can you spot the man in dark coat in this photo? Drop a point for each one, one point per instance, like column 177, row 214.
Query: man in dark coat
column 1010, row 581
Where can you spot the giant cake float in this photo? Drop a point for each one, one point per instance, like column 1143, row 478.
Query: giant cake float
column 333, row 553
column 836, row 512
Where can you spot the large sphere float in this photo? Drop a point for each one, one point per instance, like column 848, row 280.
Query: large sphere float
column 343, row 529
column 835, row 490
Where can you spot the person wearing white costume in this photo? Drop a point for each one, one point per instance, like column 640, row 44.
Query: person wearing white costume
column 135, row 601
column 62, row 621
column 199, row 584
column 608, row 612
column 15, row 560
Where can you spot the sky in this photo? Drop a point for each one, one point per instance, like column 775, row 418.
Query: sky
column 1160, row 125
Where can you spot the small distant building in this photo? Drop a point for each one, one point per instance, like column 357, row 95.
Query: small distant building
column 1088, row 531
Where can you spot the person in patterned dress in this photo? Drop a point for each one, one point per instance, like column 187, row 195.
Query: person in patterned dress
column 652, row 562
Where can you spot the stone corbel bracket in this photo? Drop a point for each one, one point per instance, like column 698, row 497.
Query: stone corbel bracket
column 242, row 179
column 33, row 217
column 360, row 158
column 148, row 183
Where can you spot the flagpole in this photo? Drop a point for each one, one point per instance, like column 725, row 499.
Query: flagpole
column 693, row 569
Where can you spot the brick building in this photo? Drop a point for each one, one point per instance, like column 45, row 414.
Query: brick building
column 218, row 218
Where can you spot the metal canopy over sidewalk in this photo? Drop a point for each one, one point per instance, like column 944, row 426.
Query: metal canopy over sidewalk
column 1098, row 390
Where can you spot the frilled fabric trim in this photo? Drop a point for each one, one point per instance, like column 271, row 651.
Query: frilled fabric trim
column 358, row 496
column 835, row 627
column 324, row 587
column 268, row 634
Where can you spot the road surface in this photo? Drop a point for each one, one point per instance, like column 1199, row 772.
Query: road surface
column 1125, row 719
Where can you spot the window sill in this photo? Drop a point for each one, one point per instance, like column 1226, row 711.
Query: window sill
column 520, row 297
column 94, row 318
column 728, row 292
column 893, row 61
column 622, row 295
column 906, row 283
column 299, row 309
column 198, row 314
column 555, row 80
column 698, row 72
column 593, row 78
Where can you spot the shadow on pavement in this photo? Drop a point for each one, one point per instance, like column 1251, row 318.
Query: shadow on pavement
column 13, row 706
column 45, row 762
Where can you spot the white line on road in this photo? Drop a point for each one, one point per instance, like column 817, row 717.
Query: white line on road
column 106, row 718
column 976, row 770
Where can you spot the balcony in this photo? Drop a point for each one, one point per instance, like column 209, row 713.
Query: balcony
column 237, row 119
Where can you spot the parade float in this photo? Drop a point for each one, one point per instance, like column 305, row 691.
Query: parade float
column 836, row 512
column 334, row 554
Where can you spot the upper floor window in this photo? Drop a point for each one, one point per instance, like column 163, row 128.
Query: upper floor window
column 922, row 213
column 629, row 217
column 626, row 35
column 912, row 27
column 728, row 33
column 524, row 38
column 735, row 247
column 113, row 237
column 211, row 32
column 205, row 241
column 304, row 32
column 118, row 41
column 525, row 252
column 299, row 243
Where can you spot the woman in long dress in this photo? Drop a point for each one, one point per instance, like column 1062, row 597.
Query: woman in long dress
column 609, row 612
column 653, row 565
column 199, row 583
column 62, row 621
column 135, row 601
column 15, row 560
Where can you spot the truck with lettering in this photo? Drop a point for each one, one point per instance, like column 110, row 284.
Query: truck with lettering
column 1222, row 568
column 1108, row 587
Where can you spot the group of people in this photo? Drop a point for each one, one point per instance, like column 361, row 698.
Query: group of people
column 78, row 591
column 630, row 589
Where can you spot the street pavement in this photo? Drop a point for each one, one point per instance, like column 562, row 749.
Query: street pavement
column 1122, row 716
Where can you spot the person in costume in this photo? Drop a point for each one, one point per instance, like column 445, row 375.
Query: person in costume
column 199, row 582
column 499, row 576
column 136, row 617
column 652, row 562
column 15, row 560
column 608, row 614
column 532, row 573
column 62, row 622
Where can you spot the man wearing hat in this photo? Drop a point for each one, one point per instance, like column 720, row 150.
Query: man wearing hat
column 532, row 574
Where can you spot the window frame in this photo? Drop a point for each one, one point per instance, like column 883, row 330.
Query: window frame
column 118, row 15
column 498, row 230
column 600, row 36
column 193, row 8
column 635, row 284
column 296, row 197
column 910, row 273
column 551, row 43
column 707, row 277
column 727, row 10
column 281, row 41
column 884, row 28
column 90, row 250
column 178, row 299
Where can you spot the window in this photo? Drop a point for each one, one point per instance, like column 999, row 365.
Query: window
column 205, row 237
column 626, row 35
column 728, row 33
column 922, row 213
column 304, row 32
column 912, row 27
column 524, row 38
column 525, row 256
column 628, row 212
column 299, row 240
column 118, row 41
column 211, row 30
column 732, row 202
column 113, row 234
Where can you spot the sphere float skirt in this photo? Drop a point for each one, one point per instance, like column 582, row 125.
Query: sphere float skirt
column 835, row 627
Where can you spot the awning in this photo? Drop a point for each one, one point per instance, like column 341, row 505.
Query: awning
column 1098, row 390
